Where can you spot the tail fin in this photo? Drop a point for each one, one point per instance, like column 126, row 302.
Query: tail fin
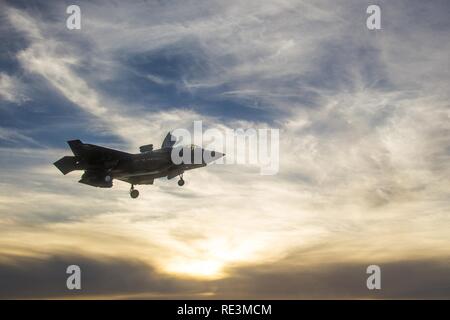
column 66, row 164
column 169, row 141
column 76, row 146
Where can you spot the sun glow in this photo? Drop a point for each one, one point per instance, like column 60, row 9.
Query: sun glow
column 209, row 269
column 210, row 259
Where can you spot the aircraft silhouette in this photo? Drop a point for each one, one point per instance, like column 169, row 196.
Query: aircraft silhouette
column 102, row 165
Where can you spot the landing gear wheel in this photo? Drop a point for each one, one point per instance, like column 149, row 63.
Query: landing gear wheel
column 181, row 182
column 134, row 193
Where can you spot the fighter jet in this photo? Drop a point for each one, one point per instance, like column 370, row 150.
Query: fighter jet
column 102, row 165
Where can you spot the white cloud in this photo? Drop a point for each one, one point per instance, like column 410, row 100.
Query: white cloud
column 362, row 170
column 11, row 89
column 15, row 136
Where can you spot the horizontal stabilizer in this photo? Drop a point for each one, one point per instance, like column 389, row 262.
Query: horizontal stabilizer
column 66, row 164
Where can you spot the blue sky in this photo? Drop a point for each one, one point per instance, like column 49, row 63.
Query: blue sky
column 364, row 144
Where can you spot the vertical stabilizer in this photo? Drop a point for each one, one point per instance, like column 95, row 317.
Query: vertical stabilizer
column 169, row 141
column 76, row 146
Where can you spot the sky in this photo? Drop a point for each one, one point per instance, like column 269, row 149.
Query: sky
column 363, row 119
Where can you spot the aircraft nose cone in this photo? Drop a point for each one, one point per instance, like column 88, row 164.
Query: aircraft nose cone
column 217, row 155
column 211, row 156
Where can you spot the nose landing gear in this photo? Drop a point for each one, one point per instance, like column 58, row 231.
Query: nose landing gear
column 181, row 181
column 133, row 192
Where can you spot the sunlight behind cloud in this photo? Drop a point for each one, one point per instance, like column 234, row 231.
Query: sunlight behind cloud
column 210, row 257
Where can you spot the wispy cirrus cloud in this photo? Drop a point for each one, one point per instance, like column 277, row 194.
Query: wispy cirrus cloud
column 11, row 89
column 364, row 137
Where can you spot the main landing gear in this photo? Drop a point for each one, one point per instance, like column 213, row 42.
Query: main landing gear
column 181, row 181
column 134, row 193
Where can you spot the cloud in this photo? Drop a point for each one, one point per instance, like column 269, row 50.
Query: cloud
column 11, row 89
column 116, row 278
column 51, row 60
column 363, row 119
column 15, row 136
column 408, row 279
column 45, row 277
